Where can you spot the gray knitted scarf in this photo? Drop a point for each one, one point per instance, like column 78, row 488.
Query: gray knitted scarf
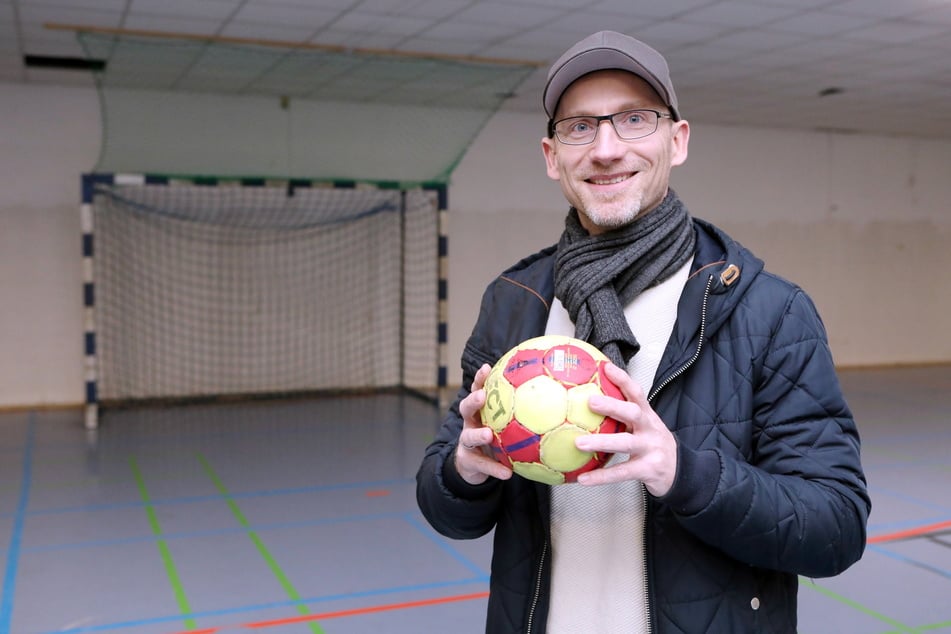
column 596, row 276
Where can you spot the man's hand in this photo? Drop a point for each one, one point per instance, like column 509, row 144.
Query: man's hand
column 651, row 446
column 473, row 460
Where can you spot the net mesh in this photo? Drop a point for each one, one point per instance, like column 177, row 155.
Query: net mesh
column 235, row 290
column 203, row 106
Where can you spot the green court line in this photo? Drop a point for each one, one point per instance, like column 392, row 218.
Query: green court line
column 900, row 627
column 170, row 570
column 935, row 626
column 282, row 578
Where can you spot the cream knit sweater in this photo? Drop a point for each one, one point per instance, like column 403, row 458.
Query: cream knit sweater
column 599, row 580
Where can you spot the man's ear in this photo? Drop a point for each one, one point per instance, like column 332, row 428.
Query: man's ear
column 551, row 165
column 680, row 139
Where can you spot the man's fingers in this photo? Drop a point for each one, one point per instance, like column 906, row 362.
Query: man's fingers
column 474, row 456
column 475, row 437
column 470, row 405
column 607, row 443
column 480, row 376
column 497, row 470
column 628, row 386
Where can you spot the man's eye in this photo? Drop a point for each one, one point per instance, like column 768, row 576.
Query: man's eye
column 581, row 127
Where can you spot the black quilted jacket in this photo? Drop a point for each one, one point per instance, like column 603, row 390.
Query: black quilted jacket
column 769, row 484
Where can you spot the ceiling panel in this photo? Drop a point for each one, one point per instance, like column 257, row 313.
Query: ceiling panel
column 754, row 62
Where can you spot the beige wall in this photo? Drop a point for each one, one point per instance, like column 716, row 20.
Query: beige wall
column 860, row 222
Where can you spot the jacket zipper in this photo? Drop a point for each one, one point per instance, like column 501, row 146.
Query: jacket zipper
column 647, row 598
column 670, row 379
column 696, row 355
column 538, row 589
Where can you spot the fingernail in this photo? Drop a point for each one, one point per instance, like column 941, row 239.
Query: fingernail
column 596, row 399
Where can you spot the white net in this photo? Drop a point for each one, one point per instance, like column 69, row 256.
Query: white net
column 209, row 290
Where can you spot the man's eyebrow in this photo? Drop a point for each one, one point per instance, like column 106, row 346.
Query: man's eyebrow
column 623, row 108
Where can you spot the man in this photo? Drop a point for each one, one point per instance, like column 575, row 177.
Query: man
column 740, row 467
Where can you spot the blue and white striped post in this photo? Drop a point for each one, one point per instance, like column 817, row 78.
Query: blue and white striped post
column 90, row 368
column 88, row 228
column 442, row 376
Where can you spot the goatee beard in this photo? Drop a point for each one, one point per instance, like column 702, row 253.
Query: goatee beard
column 609, row 218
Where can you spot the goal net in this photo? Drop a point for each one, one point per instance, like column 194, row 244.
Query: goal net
column 207, row 289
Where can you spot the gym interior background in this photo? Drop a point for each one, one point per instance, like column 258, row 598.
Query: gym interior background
column 821, row 139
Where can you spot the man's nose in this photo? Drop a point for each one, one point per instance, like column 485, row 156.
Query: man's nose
column 607, row 143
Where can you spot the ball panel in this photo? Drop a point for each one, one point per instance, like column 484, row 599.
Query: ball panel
column 518, row 443
column 523, row 365
column 538, row 472
column 578, row 411
column 594, row 463
column 606, row 385
column 499, row 454
column 611, row 426
column 589, row 348
column 570, row 364
column 499, row 401
column 558, row 449
column 541, row 404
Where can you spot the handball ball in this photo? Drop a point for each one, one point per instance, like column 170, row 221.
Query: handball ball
column 537, row 404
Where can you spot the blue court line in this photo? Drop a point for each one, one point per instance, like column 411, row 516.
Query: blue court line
column 244, row 609
column 317, row 488
column 409, row 518
column 16, row 536
column 904, row 461
column 904, row 497
column 445, row 546
column 879, row 528
column 909, row 560
column 240, row 530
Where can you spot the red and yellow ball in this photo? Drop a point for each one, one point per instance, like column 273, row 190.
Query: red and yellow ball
column 537, row 405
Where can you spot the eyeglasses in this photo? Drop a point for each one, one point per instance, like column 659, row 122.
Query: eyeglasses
column 629, row 125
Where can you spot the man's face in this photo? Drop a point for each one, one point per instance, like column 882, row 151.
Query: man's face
column 611, row 181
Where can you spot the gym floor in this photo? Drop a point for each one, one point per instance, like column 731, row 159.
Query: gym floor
column 300, row 517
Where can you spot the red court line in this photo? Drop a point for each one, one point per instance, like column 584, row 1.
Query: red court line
column 343, row 613
column 911, row 532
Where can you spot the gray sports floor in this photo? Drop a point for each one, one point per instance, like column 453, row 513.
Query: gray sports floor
column 300, row 517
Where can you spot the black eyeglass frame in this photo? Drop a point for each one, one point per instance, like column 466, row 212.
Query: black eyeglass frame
column 608, row 117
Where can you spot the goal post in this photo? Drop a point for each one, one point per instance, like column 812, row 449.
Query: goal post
column 209, row 288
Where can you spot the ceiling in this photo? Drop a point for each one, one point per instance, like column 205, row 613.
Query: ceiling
column 880, row 66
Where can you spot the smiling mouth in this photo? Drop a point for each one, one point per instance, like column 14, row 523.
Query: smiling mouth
column 609, row 180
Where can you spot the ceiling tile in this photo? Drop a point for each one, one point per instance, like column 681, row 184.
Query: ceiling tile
column 168, row 24
column 363, row 22
column 293, row 15
column 733, row 61
column 213, row 9
column 507, row 15
column 883, row 8
column 896, row 32
column 272, row 32
column 669, row 35
column 350, row 39
column 38, row 15
column 738, row 14
column 660, row 10
column 821, row 24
